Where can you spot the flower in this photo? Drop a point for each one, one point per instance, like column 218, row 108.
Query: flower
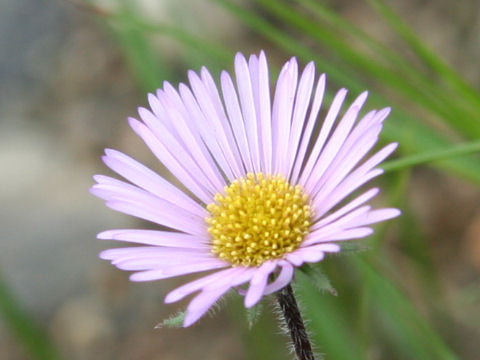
column 265, row 184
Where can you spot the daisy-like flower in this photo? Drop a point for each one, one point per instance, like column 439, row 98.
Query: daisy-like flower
column 266, row 182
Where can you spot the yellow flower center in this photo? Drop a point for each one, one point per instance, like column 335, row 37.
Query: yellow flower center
column 260, row 218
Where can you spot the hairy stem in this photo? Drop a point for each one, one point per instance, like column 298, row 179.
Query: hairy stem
column 293, row 318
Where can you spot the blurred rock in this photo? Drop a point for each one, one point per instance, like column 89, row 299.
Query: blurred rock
column 83, row 329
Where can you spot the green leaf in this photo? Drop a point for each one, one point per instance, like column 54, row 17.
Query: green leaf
column 353, row 247
column 253, row 314
column 318, row 279
column 175, row 321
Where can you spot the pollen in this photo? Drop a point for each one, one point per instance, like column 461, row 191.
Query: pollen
column 260, row 217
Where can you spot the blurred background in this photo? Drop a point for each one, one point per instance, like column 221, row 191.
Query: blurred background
column 71, row 72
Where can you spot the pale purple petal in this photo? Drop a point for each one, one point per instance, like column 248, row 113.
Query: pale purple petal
column 353, row 181
column 170, row 162
column 294, row 259
column 236, row 119
column 189, row 135
column 324, row 133
column 147, row 179
column 283, row 278
column 172, row 216
column 307, row 132
column 244, row 86
column 258, row 283
column 359, row 142
column 282, row 114
column 222, row 131
column 348, row 155
column 348, row 159
column 141, row 211
column 360, row 200
column 340, row 235
column 334, row 144
column 177, row 270
column 196, row 285
column 315, row 253
column 167, row 262
column 253, row 70
column 302, row 100
column 345, row 188
column 265, row 119
column 160, row 113
column 208, row 132
column 243, row 275
column 157, row 238
column 328, row 248
column 341, row 222
column 178, row 151
column 137, row 252
column 310, row 255
column 201, row 303
column 375, row 216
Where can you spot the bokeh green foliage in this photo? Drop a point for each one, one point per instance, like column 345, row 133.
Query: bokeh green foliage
column 372, row 312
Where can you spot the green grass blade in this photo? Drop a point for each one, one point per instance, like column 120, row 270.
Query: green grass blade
column 24, row 328
column 425, row 54
column 221, row 54
column 412, row 83
column 415, row 87
column 147, row 66
column 415, row 337
column 431, row 156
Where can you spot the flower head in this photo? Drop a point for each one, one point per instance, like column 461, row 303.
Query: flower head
column 265, row 182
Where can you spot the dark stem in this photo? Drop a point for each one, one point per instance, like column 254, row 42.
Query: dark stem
column 294, row 321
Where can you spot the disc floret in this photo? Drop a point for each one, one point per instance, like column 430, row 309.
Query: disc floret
column 260, row 217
